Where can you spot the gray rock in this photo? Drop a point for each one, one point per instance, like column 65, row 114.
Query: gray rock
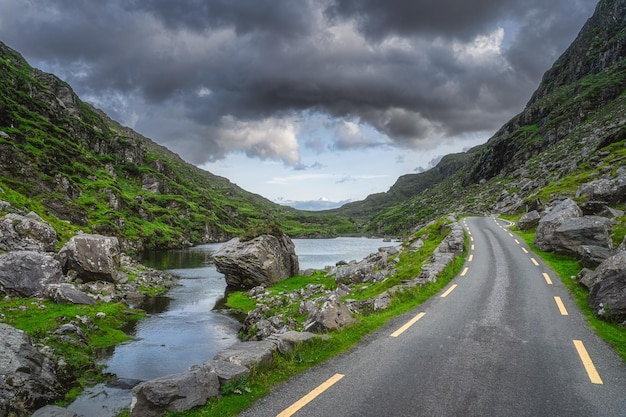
column 591, row 256
column 332, row 315
column 611, row 213
column 610, row 190
column 586, row 230
column 53, row 411
column 249, row 354
column 529, row 220
column 66, row 293
column 373, row 268
column 28, row 232
column 27, row 274
column 607, row 297
column 566, row 209
column 610, row 266
column 174, row 393
column 263, row 261
column 27, row 377
column 287, row 341
column 226, row 371
column 92, row 257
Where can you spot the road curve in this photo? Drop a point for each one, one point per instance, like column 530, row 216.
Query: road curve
column 504, row 338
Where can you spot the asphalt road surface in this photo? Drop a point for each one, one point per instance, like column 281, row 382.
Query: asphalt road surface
column 504, row 338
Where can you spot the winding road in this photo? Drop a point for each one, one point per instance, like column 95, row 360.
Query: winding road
column 504, row 338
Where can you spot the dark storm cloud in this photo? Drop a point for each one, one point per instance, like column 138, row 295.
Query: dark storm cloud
column 210, row 77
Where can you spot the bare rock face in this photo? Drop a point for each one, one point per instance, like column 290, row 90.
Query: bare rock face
column 92, row 257
column 264, row 261
column 27, row 273
column 28, row 232
column 610, row 266
column 27, row 378
column 174, row 393
column 565, row 210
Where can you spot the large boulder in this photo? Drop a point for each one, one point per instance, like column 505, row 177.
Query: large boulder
column 264, row 260
column 27, row 377
column 566, row 209
column 174, row 393
column 92, row 257
column 607, row 297
column 27, row 273
column 590, row 256
column 609, row 190
column 28, row 232
column 529, row 220
column 575, row 232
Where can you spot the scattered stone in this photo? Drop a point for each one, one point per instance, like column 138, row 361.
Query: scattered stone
column 332, row 315
column 288, row 341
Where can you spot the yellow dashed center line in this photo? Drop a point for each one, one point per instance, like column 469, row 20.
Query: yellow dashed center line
column 464, row 271
column 534, row 261
column 587, row 363
column 471, row 238
column 472, row 247
column 547, row 277
column 445, row 294
column 560, row 305
column 407, row 325
column 525, row 250
column 310, row 396
column 511, row 234
column 517, row 241
column 469, row 259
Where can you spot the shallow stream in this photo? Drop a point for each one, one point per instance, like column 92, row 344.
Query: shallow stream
column 183, row 328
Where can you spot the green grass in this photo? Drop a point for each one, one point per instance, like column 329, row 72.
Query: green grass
column 566, row 268
column 39, row 318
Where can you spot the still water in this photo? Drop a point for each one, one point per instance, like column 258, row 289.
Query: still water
column 184, row 328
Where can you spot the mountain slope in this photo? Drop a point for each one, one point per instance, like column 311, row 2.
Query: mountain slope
column 572, row 131
column 79, row 169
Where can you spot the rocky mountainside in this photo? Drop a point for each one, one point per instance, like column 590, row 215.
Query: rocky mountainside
column 572, row 131
column 79, row 169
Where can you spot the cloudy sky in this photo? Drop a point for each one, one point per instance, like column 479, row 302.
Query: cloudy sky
column 301, row 100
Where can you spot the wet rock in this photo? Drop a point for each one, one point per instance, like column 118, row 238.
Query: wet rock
column 27, row 274
column 27, row 377
column 264, row 261
column 174, row 393
column 28, row 232
column 92, row 257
